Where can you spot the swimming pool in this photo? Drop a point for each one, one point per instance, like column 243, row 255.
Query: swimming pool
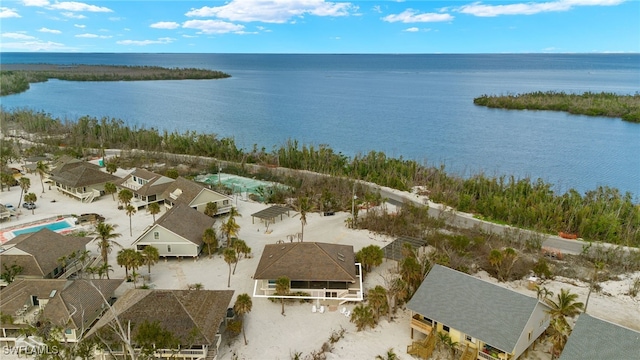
column 57, row 226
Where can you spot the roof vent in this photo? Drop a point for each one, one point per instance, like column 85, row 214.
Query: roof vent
column 340, row 257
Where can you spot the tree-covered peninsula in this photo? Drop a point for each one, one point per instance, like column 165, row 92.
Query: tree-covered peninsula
column 603, row 214
column 626, row 107
column 15, row 78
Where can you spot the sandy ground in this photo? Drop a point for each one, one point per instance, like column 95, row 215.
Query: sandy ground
column 271, row 335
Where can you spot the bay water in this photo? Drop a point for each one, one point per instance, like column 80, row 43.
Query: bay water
column 417, row 107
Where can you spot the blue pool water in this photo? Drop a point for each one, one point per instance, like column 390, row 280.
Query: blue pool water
column 56, row 226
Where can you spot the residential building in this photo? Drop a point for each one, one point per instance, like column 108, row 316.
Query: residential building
column 178, row 232
column 324, row 272
column 593, row 338
column 196, row 196
column 193, row 316
column 71, row 305
column 79, row 179
column 39, row 253
column 147, row 187
column 486, row 320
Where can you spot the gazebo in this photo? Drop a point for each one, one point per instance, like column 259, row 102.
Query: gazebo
column 271, row 213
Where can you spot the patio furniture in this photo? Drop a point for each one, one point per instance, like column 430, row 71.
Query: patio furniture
column 314, row 309
column 321, row 311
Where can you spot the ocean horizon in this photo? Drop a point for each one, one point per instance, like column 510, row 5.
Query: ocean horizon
column 413, row 106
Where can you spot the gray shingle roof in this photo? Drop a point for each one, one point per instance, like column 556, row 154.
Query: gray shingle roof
column 593, row 338
column 491, row 313
column 85, row 174
column 178, row 311
column 80, row 302
column 19, row 293
column 189, row 190
column 186, row 222
column 152, row 187
column 307, row 261
column 43, row 249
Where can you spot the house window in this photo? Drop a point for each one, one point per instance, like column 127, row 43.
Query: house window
column 445, row 328
column 156, row 235
column 530, row 333
column 168, row 248
column 68, row 331
column 225, row 202
column 272, row 284
column 468, row 338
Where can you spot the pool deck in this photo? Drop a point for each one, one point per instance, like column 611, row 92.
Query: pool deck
column 6, row 233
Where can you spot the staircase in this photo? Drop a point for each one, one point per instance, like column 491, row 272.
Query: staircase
column 469, row 353
column 423, row 349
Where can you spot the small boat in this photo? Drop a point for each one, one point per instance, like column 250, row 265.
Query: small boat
column 569, row 236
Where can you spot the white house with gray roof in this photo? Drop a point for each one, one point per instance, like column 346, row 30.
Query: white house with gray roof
column 487, row 321
column 177, row 233
column 593, row 338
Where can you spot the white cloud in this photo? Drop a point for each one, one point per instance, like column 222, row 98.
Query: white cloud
column 165, row 40
column 73, row 15
column 33, row 46
column 411, row 16
column 39, row 3
column 273, row 11
column 93, row 36
column 377, row 9
column 412, row 29
column 188, row 36
column 78, row 7
column 530, row 8
column 17, row 36
column 51, row 31
column 8, row 13
column 165, row 25
column 212, row 26
column 80, row 26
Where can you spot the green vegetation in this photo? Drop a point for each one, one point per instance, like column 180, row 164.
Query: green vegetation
column 15, row 78
column 603, row 214
column 626, row 107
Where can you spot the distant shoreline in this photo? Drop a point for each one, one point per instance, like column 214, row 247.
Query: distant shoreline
column 17, row 77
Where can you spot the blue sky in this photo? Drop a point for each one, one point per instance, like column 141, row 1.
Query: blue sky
column 319, row 26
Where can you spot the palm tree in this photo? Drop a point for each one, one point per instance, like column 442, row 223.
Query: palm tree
column 243, row 306
column 104, row 269
column 559, row 333
column 283, row 285
column 153, row 209
column 31, row 197
column 370, row 256
column 303, row 207
column 229, row 257
column 230, row 229
column 210, row 239
column 105, row 236
column 565, row 306
column 127, row 258
column 42, row 169
column 211, row 209
column 25, row 184
column 363, row 316
column 241, row 248
column 111, row 167
column 390, row 355
column 130, row 209
column 377, row 298
column 110, row 188
column 150, row 256
column 125, row 196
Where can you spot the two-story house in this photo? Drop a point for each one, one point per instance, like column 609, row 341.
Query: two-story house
column 196, row 196
column 147, row 187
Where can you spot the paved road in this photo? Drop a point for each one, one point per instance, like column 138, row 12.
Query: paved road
column 467, row 221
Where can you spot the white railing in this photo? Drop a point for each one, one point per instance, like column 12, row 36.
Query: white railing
column 131, row 185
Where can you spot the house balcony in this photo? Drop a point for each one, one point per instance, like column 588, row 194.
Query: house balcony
column 490, row 353
column 420, row 324
column 131, row 185
column 84, row 196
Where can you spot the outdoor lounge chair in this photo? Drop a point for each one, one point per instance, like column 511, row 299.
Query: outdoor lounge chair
column 321, row 309
column 313, row 309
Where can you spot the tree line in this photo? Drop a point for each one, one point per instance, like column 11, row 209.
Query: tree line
column 603, row 214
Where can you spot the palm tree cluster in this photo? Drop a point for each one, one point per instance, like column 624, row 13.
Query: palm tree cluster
column 563, row 307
